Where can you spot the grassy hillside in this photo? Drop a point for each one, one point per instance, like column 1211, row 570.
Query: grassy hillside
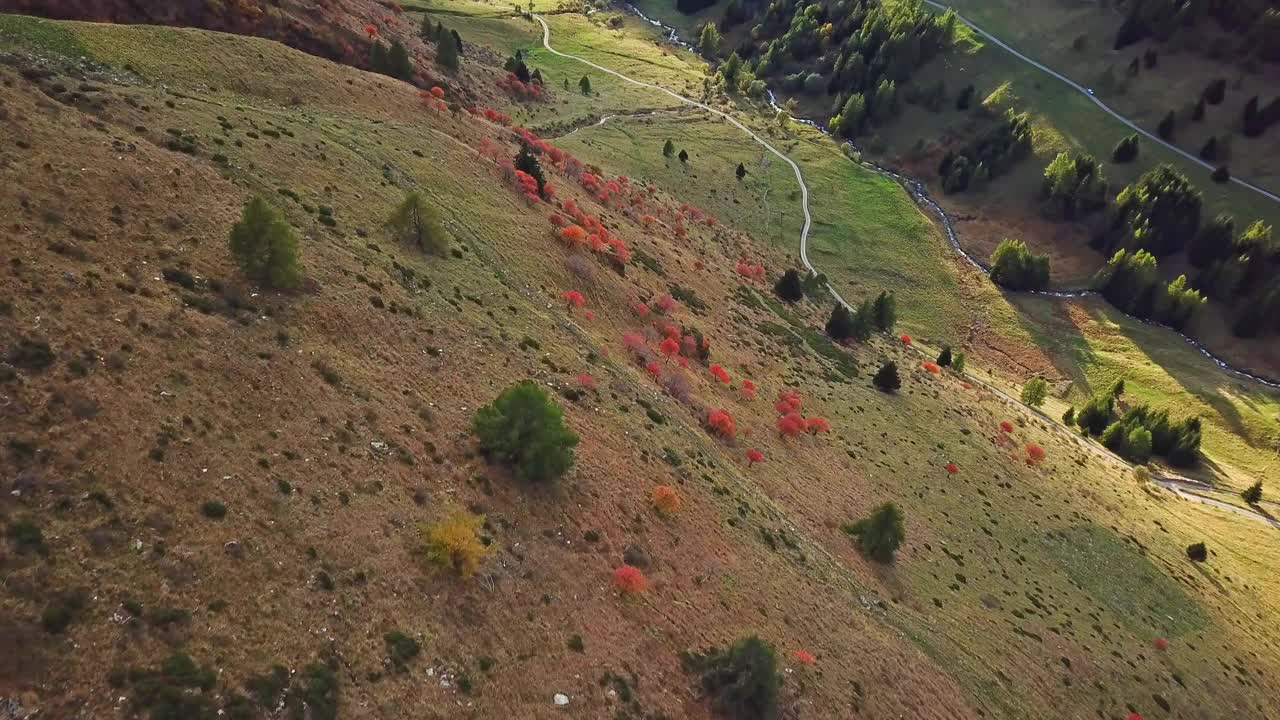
column 332, row 422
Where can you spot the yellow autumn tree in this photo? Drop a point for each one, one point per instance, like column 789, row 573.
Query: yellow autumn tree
column 454, row 542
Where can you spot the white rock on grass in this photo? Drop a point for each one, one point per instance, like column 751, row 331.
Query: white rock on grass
column 560, row 699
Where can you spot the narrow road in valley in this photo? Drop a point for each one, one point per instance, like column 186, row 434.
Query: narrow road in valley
column 1194, row 492
column 1103, row 106
column 804, row 253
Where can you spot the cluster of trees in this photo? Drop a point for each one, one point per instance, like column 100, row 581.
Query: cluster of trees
column 448, row 43
column 1130, row 281
column 516, row 66
column 392, row 62
column 1015, row 267
column 1074, row 186
column 1158, row 213
column 1158, row 216
column 1140, row 432
column 989, row 155
column 878, row 314
column 857, row 52
column 1255, row 22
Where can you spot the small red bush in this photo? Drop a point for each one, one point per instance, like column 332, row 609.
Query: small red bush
column 791, row 425
column 1006, row 426
column 748, row 390
column 666, row 499
column 720, row 373
column 931, row 367
column 586, row 381
column 1035, row 454
column 788, row 402
column 804, row 657
column 574, row 298
column 437, row 91
column 952, row 469
column 573, row 236
column 906, row 339
column 1161, row 644
column 665, row 304
column 629, row 580
column 754, row 456
column 722, row 422
column 669, row 347
column 815, row 425
column 371, row 30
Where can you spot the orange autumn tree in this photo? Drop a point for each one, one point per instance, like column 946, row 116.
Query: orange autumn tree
column 666, row 499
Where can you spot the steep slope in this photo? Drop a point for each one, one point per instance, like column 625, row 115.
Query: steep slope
column 333, row 421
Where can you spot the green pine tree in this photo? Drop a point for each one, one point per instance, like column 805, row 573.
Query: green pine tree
column 886, row 377
column 265, row 246
column 524, row 428
column 881, row 533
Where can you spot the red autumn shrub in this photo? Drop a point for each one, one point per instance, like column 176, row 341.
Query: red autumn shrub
column 804, row 657
column 722, row 422
column 931, row 367
column 573, row 236
column 747, row 270
column 666, row 499
column 665, row 304
column 639, row 309
column 754, row 456
column 906, row 339
column 748, row 390
column 1035, row 454
column 653, row 369
column 791, row 425
column 556, row 219
column 788, row 401
column 1161, row 644
column 590, row 315
column 371, row 30
column 952, row 469
column 1006, row 426
column 669, row 347
column 633, row 341
column 815, row 425
column 1133, row 716
column 437, row 91
column 574, row 298
column 720, row 373
column 586, row 381
column 629, row 580
column 648, row 220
